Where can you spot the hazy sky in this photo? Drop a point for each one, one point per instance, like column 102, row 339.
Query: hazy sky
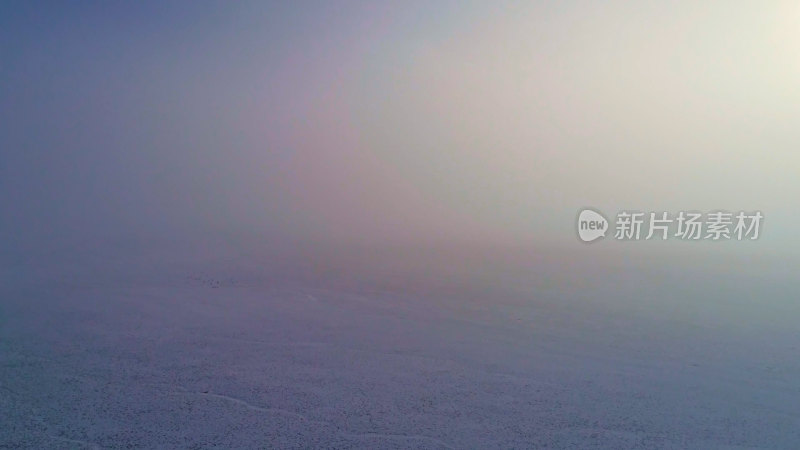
column 393, row 121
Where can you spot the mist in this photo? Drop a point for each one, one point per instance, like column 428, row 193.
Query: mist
column 375, row 123
column 353, row 224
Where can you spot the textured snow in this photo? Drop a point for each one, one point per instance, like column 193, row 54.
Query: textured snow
column 263, row 350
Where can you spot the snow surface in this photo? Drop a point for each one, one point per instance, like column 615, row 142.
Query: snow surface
column 434, row 350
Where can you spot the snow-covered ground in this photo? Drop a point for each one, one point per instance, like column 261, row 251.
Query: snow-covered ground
column 257, row 349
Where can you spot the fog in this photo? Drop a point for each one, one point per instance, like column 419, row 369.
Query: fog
column 353, row 224
column 392, row 123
